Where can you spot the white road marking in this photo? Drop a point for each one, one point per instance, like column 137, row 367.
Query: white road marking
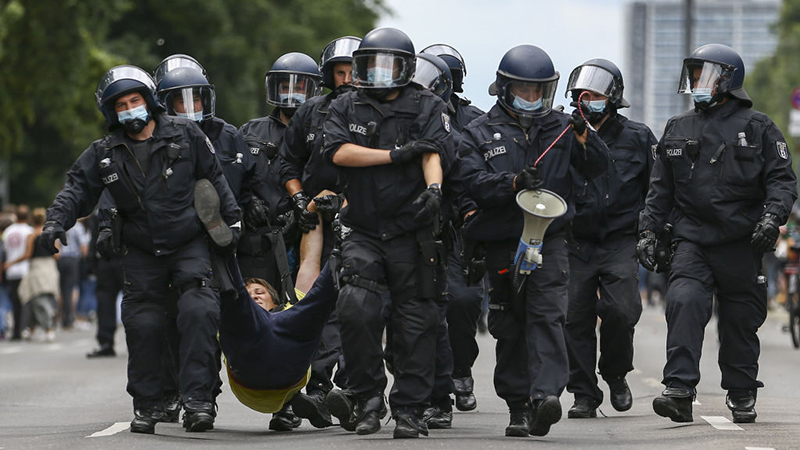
column 696, row 403
column 10, row 350
column 113, row 429
column 721, row 423
column 759, row 448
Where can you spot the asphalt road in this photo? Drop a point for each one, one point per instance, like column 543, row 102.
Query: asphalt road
column 51, row 396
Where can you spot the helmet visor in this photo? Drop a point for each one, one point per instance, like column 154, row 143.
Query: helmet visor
column 342, row 48
column 195, row 103
column 529, row 98
column 381, row 70
column 290, row 90
column 702, row 75
column 444, row 49
column 595, row 79
column 431, row 77
column 123, row 73
column 174, row 63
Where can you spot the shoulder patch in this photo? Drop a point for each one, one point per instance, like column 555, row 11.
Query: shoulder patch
column 783, row 151
column 210, row 146
column 446, row 122
column 654, row 150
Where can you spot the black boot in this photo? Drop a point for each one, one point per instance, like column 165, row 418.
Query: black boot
column 519, row 422
column 584, row 408
column 409, row 424
column 172, row 409
column 145, row 420
column 283, row 420
column 546, row 412
column 675, row 403
column 368, row 413
column 439, row 415
column 199, row 416
column 311, row 406
column 621, row 398
column 465, row 398
column 341, row 405
column 742, row 404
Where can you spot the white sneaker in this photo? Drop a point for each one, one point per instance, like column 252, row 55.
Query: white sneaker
column 50, row 336
column 26, row 334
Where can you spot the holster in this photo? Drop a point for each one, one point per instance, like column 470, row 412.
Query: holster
column 335, row 265
column 116, row 229
column 473, row 257
column 430, row 270
column 665, row 249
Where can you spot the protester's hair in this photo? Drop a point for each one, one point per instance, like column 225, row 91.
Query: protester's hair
column 22, row 213
column 270, row 290
column 39, row 216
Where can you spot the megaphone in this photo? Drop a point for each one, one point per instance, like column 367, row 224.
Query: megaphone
column 539, row 208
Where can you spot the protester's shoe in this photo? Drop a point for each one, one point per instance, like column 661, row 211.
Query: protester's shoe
column 283, row 420
column 439, row 416
column 519, row 422
column 145, row 420
column 341, row 404
column 198, row 416
column 206, row 203
column 409, row 425
column 583, row 408
column 102, row 352
column 675, row 403
column 172, row 409
column 742, row 405
column 621, row 397
column 312, row 407
column 546, row 412
column 465, row 398
column 368, row 415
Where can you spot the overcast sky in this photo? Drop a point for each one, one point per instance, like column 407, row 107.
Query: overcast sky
column 571, row 32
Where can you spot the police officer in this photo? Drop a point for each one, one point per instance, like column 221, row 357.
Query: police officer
column 465, row 300
column 601, row 256
column 305, row 174
column 386, row 138
column 157, row 169
column 723, row 177
column 292, row 80
column 183, row 89
column 521, row 143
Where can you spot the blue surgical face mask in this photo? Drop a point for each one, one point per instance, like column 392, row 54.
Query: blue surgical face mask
column 524, row 105
column 701, row 95
column 140, row 113
column 196, row 116
column 379, row 76
column 595, row 106
column 295, row 98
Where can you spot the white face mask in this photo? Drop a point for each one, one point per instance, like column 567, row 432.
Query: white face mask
column 525, row 105
column 140, row 113
column 196, row 116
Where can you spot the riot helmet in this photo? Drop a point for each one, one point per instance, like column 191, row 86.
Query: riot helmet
column 526, row 82
column 337, row 51
column 293, row 79
column 186, row 92
column 710, row 73
column 121, row 80
column 454, row 60
column 385, row 60
column 175, row 61
column 433, row 74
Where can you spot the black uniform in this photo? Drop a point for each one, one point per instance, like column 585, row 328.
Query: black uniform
column 256, row 254
column 602, row 257
column 383, row 251
column 531, row 352
column 714, row 199
column 301, row 159
column 166, row 244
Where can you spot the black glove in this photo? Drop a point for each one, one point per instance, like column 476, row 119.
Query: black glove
column 53, row 230
column 306, row 219
column 428, row 204
column 646, row 250
column 329, row 206
column 256, row 214
column 527, row 179
column 411, row 150
column 766, row 232
column 289, row 229
column 105, row 244
column 340, row 230
column 578, row 124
